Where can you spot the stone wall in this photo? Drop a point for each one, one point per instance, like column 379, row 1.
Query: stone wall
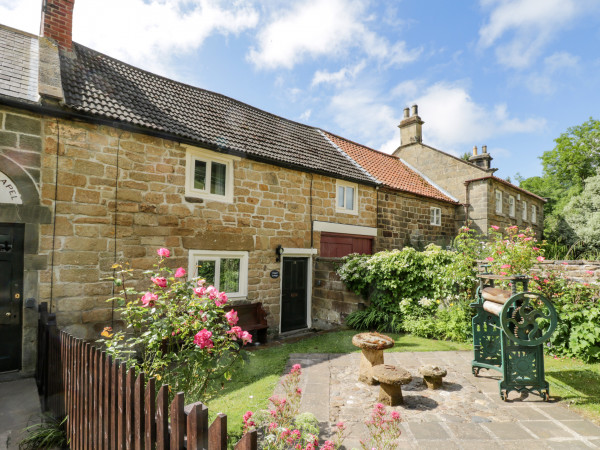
column 578, row 270
column 331, row 302
column 445, row 170
column 21, row 137
column 404, row 220
column 505, row 220
column 272, row 206
column 478, row 201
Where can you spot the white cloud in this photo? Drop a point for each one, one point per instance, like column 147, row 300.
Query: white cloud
column 339, row 77
column 22, row 14
column 148, row 34
column 305, row 115
column 454, row 122
column 543, row 81
column 316, row 28
column 520, row 29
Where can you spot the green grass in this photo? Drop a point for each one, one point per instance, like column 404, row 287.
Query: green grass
column 576, row 384
column 573, row 382
column 253, row 383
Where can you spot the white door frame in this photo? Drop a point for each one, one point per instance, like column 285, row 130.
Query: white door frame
column 307, row 253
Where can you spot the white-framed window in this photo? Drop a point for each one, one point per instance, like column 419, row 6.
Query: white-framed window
column 436, row 216
column 347, row 197
column 209, row 175
column 511, row 206
column 533, row 214
column 498, row 202
column 225, row 270
column 524, row 210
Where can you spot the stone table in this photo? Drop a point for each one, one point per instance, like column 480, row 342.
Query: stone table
column 372, row 346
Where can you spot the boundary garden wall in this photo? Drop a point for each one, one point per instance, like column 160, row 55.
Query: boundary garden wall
column 577, row 270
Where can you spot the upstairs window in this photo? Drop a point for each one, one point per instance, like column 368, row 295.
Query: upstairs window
column 346, row 199
column 209, row 176
column 524, row 210
column 498, row 202
column 227, row 271
column 533, row 214
column 436, row 216
column 511, row 206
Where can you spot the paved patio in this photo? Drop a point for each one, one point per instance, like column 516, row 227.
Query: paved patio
column 19, row 408
column 466, row 413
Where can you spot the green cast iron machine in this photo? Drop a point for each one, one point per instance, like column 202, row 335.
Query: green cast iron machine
column 509, row 330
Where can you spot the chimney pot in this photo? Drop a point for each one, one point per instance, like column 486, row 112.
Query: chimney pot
column 484, row 148
column 415, row 110
column 474, row 150
column 406, row 111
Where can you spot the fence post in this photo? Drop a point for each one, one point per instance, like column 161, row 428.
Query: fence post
column 197, row 426
column 217, row 433
column 177, row 422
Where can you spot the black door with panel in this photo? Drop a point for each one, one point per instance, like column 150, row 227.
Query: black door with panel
column 294, row 294
column 11, row 293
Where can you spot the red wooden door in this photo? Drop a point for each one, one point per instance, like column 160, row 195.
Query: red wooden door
column 338, row 245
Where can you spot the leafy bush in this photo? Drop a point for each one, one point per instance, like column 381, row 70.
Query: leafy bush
column 177, row 331
column 408, row 288
column 578, row 309
column 49, row 434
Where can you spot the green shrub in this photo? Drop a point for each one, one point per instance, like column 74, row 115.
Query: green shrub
column 408, row 289
column 578, row 308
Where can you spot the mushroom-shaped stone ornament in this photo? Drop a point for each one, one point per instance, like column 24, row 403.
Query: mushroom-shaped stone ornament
column 432, row 375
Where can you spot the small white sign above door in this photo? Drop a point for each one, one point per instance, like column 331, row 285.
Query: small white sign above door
column 8, row 191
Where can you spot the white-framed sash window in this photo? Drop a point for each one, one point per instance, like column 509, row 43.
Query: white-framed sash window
column 209, row 175
column 225, row 270
column 436, row 216
column 346, row 197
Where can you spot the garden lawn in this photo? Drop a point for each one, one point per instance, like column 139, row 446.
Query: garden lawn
column 576, row 383
column 253, row 383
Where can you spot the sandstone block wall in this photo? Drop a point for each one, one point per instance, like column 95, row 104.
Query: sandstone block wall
column 332, row 302
column 21, row 137
column 445, row 170
column 404, row 220
column 505, row 220
column 135, row 207
column 582, row 271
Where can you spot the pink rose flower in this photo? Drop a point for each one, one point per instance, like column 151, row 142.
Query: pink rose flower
column 521, row 235
column 540, row 258
column 535, row 248
column 505, row 266
column 148, row 299
column 589, row 272
column 159, row 281
column 232, row 317
column 527, row 239
column 246, row 337
column 200, row 291
column 203, row 339
column 503, row 274
column 489, row 258
column 180, row 272
column 163, row 252
column 564, row 263
column 212, row 292
column 221, row 299
column 495, row 227
column 236, row 332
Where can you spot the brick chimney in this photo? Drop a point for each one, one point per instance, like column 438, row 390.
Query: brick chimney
column 411, row 127
column 57, row 22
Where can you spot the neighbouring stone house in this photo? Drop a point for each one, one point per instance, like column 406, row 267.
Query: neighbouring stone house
column 101, row 162
column 487, row 200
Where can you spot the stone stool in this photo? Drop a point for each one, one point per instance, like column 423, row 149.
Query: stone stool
column 432, row 375
column 391, row 379
column 372, row 346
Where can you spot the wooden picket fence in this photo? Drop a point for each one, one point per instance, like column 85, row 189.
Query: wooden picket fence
column 108, row 407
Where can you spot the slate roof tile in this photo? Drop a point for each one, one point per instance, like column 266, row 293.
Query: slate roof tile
column 96, row 84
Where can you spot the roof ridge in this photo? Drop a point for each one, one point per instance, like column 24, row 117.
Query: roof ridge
column 356, row 164
column 180, row 83
column 361, row 145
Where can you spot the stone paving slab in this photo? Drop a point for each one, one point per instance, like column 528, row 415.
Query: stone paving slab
column 19, row 408
column 466, row 413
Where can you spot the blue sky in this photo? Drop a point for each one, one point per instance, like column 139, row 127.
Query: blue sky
column 509, row 74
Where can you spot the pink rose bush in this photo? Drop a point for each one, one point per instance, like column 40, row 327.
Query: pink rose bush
column 176, row 330
column 282, row 428
column 513, row 252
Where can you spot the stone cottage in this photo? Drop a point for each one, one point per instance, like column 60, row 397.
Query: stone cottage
column 101, row 162
column 487, row 200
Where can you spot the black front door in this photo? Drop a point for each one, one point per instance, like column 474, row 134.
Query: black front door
column 293, row 295
column 11, row 293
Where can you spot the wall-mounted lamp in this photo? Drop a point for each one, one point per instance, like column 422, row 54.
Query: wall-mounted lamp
column 278, row 252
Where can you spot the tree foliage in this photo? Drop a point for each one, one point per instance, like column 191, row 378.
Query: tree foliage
column 574, row 159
